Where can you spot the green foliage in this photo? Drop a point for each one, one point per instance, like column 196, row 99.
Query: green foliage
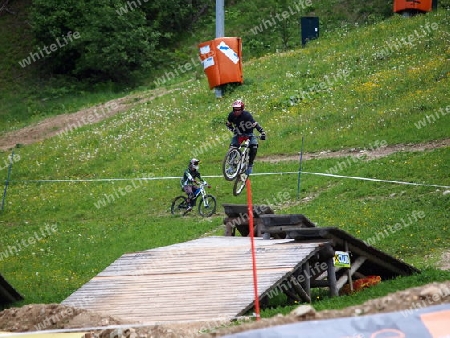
column 98, row 42
column 322, row 301
column 112, row 40
column 134, row 43
column 117, row 40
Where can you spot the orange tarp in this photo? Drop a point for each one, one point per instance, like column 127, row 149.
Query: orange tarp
column 419, row 5
column 222, row 60
column 362, row 283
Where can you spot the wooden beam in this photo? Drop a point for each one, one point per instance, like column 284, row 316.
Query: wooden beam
column 301, row 292
column 292, row 295
column 334, row 291
column 324, row 274
column 355, row 266
column 307, row 282
column 373, row 258
column 349, row 274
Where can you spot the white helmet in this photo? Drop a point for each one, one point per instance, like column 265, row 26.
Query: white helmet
column 194, row 163
column 238, row 104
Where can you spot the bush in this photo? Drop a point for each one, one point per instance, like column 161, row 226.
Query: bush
column 106, row 40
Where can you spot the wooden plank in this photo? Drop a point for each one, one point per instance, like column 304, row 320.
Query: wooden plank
column 355, row 266
column 211, row 278
column 203, row 279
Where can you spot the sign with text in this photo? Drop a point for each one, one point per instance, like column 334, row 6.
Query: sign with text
column 341, row 259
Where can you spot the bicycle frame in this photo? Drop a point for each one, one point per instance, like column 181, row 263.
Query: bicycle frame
column 241, row 179
column 206, row 207
column 201, row 191
column 235, row 162
column 244, row 148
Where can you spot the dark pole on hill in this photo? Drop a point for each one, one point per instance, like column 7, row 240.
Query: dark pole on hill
column 220, row 32
column 7, row 180
column 299, row 171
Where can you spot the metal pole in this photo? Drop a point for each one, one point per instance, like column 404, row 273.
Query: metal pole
column 299, row 172
column 7, row 180
column 220, row 32
column 252, row 239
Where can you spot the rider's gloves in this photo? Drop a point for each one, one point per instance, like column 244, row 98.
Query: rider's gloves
column 263, row 136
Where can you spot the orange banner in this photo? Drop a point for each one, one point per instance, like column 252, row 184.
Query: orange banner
column 437, row 323
column 419, row 5
column 222, row 60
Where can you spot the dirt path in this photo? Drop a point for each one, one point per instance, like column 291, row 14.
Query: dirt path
column 368, row 153
column 54, row 125
column 57, row 124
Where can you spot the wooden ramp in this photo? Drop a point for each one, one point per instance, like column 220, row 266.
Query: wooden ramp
column 201, row 280
column 8, row 295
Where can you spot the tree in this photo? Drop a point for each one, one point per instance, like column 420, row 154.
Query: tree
column 108, row 39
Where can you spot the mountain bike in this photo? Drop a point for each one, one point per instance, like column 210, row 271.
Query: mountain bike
column 206, row 205
column 235, row 164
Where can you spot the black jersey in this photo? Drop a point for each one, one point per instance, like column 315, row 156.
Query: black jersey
column 243, row 124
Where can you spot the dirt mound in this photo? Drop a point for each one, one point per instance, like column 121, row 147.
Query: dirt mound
column 54, row 316
column 407, row 300
column 37, row 317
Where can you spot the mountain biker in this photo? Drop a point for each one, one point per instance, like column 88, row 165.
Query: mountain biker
column 189, row 183
column 241, row 123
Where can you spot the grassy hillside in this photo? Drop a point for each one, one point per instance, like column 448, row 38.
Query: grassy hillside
column 361, row 88
column 30, row 95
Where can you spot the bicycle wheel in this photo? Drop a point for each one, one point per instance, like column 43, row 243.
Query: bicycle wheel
column 207, row 206
column 179, row 206
column 239, row 184
column 230, row 164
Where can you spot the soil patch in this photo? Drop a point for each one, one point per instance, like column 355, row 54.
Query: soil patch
column 57, row 124
column 364, row 153
column 54, row 316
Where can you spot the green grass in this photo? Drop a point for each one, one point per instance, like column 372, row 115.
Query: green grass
column 30, row 95
column 322, row 301
column 378, row 102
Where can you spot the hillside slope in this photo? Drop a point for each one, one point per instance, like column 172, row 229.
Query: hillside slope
column 31, row 95
column 352, row 91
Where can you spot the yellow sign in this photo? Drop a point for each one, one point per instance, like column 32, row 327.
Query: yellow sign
column 341, row 259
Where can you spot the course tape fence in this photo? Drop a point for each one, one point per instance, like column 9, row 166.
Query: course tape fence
column 219, row 176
